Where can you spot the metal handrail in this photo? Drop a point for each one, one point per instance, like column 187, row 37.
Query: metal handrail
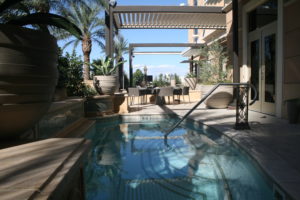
column 205, row 97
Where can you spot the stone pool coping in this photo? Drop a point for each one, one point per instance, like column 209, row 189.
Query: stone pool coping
column 271, row 142
column 45, row 169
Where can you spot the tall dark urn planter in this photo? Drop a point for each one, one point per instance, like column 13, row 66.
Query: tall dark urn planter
column 28, row 76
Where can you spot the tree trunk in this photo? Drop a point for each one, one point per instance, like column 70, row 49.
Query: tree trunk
column 86, row 50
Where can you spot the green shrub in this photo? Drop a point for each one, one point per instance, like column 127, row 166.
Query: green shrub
column 89, row 91
column 71, row 75
column 214, row 67
column 138, row 77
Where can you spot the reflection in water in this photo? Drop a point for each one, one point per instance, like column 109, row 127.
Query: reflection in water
column 200, row 144
column 131, row 161
column 124, row 130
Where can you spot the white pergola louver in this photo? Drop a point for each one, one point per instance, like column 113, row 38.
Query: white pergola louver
column 169, row 17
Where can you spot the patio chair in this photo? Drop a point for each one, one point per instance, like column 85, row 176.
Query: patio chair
column 186, row 91
column 177, row 91
column 135, row 92
column 166, row 92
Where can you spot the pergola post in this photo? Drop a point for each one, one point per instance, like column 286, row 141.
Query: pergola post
column 109, row 32
column 130, row 66
column 121, row 73
column 191, row 65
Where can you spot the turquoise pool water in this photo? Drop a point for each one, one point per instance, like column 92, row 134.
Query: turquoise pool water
column 132, row 161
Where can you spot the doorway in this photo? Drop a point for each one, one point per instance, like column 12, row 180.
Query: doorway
column 262, row 56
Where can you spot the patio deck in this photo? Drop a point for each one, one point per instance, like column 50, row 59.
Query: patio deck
column 272, row 142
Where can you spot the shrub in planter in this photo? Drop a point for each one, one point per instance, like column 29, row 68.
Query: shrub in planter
column 214, row 70
column 191, row 80
column 28, row 70
column 105, row 77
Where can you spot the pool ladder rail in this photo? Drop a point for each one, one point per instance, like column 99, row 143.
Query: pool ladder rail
column 241, row 105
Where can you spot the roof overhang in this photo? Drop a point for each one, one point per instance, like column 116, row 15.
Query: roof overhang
column 192, row 51
column 169, row 17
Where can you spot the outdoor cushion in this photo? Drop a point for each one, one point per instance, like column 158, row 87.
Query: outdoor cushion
column 219, row 100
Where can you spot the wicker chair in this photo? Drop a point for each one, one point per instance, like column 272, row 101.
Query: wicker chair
column 177, row 92
column 166, row 92
column 186, row 91
column 135, row 92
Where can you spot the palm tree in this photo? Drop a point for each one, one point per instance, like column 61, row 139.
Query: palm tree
column 86, row 17
column 43, row 6
column 121, row 48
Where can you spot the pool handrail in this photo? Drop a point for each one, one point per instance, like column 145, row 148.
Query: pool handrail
column 205, row 97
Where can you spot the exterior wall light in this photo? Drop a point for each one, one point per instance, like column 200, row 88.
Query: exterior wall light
column 113, row 3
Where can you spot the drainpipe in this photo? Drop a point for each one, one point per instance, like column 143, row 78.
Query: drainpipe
column 235, row 42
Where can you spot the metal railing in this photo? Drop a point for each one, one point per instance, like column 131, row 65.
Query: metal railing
column 242, row 103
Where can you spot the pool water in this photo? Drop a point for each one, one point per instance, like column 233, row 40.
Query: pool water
column 132, row 161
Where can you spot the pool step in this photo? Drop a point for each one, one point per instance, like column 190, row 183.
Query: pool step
column 154, row 189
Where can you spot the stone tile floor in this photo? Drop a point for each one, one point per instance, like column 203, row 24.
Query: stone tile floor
column 272, row 142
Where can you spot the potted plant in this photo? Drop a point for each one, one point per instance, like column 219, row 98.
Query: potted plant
column 28, row 68
column 105, row 77
column 191, row 80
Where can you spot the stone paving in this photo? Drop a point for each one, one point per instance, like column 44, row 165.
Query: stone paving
column 272, row 142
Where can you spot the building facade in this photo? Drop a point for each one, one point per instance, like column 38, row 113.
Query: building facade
column 269, row 50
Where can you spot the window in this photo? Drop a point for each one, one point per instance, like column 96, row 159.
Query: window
column 195, row 31
column 195, row 2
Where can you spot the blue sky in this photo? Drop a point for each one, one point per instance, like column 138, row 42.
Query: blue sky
column 156, row 64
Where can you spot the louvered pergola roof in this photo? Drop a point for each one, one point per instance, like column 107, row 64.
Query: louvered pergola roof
column 169, row 17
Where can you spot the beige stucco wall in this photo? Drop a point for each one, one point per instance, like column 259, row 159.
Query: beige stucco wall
column 229, row 36
column 201, row 32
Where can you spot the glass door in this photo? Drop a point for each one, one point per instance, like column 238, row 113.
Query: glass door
column 268, row 69
column 262, row 63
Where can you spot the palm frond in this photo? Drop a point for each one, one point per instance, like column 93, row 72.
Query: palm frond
column 48, row 19
column 6, row 4
column 99, row 43
column 69, row 43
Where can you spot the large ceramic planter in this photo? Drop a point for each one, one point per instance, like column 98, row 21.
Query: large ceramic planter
column 106, row 85
column 220, row 98
column 28, row 75
column 191, row 82
column 60, row 94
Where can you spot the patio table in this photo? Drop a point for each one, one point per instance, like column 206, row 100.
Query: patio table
column 161, row 100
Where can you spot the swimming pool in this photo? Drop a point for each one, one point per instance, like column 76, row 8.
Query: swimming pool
column 130, row 160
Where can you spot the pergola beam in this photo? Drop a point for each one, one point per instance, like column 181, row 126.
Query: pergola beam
column 134, row 45
column 167, row 9
column 157, row 52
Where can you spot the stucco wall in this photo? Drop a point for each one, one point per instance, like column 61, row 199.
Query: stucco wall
column 229, row 36
column 201, row 32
